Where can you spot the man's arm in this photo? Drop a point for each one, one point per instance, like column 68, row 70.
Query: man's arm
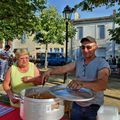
column 59, row 70
column 62, row 69
column 99, row 84
column 52, row 71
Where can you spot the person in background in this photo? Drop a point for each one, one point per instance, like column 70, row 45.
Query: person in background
column 5, row 54
column 14, row 56
column 114, row 60
column 91, row 72
column 1, row 60
column 17, row 75
column 118, row 64
column 117, row 60
column 110, row 60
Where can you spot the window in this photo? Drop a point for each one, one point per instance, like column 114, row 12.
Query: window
column 24, row 38
column 56, row 50
column 101, row 31
column 50, row 50
column 80, row 32
column 62, row 50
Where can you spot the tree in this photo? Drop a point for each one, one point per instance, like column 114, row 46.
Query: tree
column 115, row 33
column 17, row 16
column 91, row 4
column 52, row 28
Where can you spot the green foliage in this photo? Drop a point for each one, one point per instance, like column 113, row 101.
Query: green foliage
column 17, row 16
column 52, row 27
column 115, row 33
column 91, row 4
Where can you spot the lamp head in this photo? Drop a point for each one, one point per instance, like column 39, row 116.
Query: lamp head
column 67, row 12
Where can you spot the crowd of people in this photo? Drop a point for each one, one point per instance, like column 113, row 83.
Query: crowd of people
column 114, row 63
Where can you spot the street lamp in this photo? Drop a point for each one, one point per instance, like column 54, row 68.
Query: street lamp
column 67, row 13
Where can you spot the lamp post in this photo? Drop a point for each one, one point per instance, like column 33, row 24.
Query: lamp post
column 67, row 12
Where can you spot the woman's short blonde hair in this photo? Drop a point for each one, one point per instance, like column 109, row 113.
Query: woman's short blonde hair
column 22, row 51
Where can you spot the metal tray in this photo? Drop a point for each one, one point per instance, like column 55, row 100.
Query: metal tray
column 62, row 91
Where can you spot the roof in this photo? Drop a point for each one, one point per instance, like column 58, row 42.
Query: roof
column 97, row 19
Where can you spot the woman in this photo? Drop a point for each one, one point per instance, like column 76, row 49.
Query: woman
column 17, row 74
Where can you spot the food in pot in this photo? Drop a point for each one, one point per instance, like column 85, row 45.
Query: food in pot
column 44, row 95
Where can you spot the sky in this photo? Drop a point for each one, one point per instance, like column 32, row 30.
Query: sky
column 98, row 12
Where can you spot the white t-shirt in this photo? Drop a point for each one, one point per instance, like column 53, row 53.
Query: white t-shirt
column 1, row 51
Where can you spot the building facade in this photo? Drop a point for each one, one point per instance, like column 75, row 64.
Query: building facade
column 35, row 48
column 99, row 29
column 95, row 27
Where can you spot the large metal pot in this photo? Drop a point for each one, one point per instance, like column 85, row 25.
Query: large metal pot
column 40, row 109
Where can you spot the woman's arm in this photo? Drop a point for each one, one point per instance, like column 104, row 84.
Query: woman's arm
column 37, row 74
column 7, row 86
column 6, row 83
column 36, row 80
column 37, row 71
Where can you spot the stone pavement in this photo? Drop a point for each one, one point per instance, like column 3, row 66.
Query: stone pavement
column 112, row 94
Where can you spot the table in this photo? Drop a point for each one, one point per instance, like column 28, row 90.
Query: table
column 14, row 115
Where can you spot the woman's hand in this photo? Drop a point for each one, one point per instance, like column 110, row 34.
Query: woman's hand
column 75, row 84
column 35, row 80
column 27, row 79
column 13, row 99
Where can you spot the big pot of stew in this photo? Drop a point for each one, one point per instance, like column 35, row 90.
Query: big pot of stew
column 38, row 104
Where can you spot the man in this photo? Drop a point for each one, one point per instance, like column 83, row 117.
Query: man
column 1, row 60
column 91, row 72
column 4, row 56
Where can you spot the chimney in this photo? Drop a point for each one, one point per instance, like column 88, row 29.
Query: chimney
column 76, row 16
column 114, row 12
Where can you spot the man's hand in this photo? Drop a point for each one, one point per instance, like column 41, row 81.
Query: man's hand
column 75, row 84
column 46, row 75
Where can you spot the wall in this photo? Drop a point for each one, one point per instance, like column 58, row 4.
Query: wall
column 29, row 44
column 90, row 28
column 34, row 47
